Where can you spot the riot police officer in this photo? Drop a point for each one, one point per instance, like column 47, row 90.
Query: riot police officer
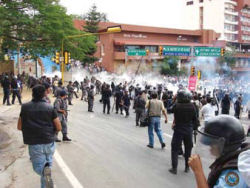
column 185, row 118
column 60, row 106
column 91, row 95
column 225, row 136
column 70, row 89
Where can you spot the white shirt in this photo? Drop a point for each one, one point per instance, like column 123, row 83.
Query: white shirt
column 208, row 111
column 244, row 165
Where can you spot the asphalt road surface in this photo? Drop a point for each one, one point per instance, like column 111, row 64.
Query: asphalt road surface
column 107, row 151
column 110, row 151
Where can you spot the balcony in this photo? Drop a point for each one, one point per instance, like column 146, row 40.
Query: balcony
column 231, row 2
column 234, row 13
column 230, row 32
column 231, row 22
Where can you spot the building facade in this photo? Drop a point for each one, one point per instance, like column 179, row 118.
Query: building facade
column 112, row 48
column 229, row 18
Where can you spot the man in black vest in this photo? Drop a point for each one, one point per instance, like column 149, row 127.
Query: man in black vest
column 225, row 136
column 185, row 118
column 39, row 123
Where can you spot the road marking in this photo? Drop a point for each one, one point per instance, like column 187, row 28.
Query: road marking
column 67, row 172
column 167, row 135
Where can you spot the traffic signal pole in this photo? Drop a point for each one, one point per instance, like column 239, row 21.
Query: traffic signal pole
column 62, row 63
column 113, row 29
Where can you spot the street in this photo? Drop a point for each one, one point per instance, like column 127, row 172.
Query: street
column 106, row 151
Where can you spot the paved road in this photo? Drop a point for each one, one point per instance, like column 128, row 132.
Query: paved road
column 108, row 151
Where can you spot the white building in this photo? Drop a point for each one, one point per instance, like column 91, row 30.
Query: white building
column 230, row 18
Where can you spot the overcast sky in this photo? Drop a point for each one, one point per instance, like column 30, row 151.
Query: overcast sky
column 161, row 13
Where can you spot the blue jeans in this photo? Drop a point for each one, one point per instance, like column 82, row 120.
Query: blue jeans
column 155, row 124
column 41, row 155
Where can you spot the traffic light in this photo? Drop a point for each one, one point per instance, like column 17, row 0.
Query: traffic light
column 160, row 51
column 57, row 60
column 192, row 70
column 147, row 51
column 222, row 52
column 199, row 74
column 69, row 59
column 66, row 58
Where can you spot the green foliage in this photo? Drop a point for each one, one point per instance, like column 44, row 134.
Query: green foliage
column 169, row 65
column 228, row 57
column 93, row 18
column 38, row 27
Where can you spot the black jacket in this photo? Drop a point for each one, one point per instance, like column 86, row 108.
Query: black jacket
column 37, row 122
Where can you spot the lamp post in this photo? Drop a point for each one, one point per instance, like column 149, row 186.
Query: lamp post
column 113, row 29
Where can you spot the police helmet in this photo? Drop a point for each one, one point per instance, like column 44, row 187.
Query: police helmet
column 225, row 131
column 183, row 96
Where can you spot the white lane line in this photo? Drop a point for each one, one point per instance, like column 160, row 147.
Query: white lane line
column 67, row 172
column 167, row 135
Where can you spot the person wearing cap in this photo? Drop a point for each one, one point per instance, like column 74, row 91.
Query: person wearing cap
column 39, row 123
column 225, row 137
column 60, row 105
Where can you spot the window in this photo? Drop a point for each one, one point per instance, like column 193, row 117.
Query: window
column 190, row 3
column 245, row 19
column 245, row 37
column 118, row 48
column 245, row 28
column 201, row 17
column 230, row 27
column 231, row 37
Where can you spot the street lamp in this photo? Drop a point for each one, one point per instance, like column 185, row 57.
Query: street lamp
column 111, row 29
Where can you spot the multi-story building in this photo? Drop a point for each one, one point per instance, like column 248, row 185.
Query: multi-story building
column 112, row 48
column 230, row 18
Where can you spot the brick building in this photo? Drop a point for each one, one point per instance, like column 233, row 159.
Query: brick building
column 112, row 47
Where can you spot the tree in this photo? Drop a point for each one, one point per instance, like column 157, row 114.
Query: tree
column 229, row 57
column 170, row 65
column 93, row 18
column 37, row 27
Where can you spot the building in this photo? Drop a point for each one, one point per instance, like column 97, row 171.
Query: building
column 112, row 48
column 230, row 18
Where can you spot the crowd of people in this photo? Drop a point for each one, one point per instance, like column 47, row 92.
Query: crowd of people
column 41, row 127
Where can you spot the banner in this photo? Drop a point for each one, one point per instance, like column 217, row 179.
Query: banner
column 192, row 83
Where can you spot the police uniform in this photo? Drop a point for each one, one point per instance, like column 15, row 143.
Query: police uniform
column 230, row 179
column 185, row 119
column 61, row 104
column 90, row 100
column 70, row 93
column 231, row 143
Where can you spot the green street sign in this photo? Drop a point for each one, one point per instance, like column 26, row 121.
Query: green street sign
column 207, row 51
column 176, row 50
column 137, row 53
